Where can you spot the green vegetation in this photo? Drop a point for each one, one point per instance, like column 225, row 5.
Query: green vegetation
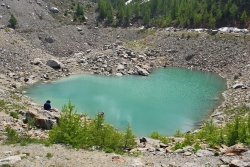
column 179, row 13
column 5, row 165
column 31, row 123
column 14, row 115
column 80, row 133
column 14, row 138
column 49, row 155
column 13, row 21
column 235, row 131
column 79, row 13
column 6, row 29
column 77, row 132
column 162, row 138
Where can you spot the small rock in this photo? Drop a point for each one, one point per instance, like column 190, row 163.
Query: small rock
column 201, row 153
column 54, row 10
column 187, row 153
column 238, row 85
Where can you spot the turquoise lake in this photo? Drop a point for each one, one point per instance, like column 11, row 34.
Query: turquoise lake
column 167, row 100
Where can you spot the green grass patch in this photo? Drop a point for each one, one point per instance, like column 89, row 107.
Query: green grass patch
column 14, row 115
column 49, row 155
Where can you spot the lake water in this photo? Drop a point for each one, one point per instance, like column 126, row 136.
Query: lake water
column 167, row 100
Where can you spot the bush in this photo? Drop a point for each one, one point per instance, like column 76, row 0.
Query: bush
column 49, row 155
column 13, row 21
column 235, row 131
column 14, row 115
column 163, row 139
column 14, row 138
column 80, row 133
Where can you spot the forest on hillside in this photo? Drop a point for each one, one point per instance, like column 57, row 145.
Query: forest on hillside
column 177, row 13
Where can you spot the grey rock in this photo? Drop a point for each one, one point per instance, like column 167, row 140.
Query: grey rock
column 137, row 163
column 189, row 164
column 2, row 91
column 179, row 151
column 189, row 57
column 7, row 152
column 120, row 67
column 187, row 153
column 54, row 63
column 142, row 71
column 54, row 10
column 29, row 81
column 142, row 149
column 37, row 61
column 201, row 153
column 118, row 74
column 213, row 32
column 247, row 105
column 10, row 160
column 49, row 39
column 239, row 163
column 238, row 85
column 79, row 28
column 216, row 114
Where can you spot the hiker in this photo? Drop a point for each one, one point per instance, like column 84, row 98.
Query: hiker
column 47, row 106
column 101, row 114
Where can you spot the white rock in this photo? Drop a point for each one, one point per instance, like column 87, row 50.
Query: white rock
column 10, row 160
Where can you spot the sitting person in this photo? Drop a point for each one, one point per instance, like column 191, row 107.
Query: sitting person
column 47, row 106
column 101, row 114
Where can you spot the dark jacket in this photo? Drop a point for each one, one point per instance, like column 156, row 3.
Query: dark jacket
column 47, row 106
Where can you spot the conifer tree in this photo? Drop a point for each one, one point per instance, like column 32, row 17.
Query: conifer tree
column 243, row 17
column 13, row 21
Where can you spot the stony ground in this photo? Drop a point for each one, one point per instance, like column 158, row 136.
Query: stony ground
column 35, row 155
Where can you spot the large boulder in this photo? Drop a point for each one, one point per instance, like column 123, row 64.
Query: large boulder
column 54, row 63
column 142, row 71
column 43, row 118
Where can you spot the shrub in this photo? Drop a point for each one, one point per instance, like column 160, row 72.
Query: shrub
column 6, row 29
column 5, row 165
column 68, row 130
column 178, row 133
column 129, row 138
column 31, row 123
column 235, row 131
column 163, row 139
column 14, row 115
column 12, row 136
column 80, row 133
column 65, row 13
column 178, row 145
column 49, row 155
column 13, row 21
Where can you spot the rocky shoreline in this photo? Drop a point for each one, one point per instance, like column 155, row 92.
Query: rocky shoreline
column 224, row 54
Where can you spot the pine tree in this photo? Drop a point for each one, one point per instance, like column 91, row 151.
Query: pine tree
column 233, row 11
column 243, row 17
column 13, row 21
